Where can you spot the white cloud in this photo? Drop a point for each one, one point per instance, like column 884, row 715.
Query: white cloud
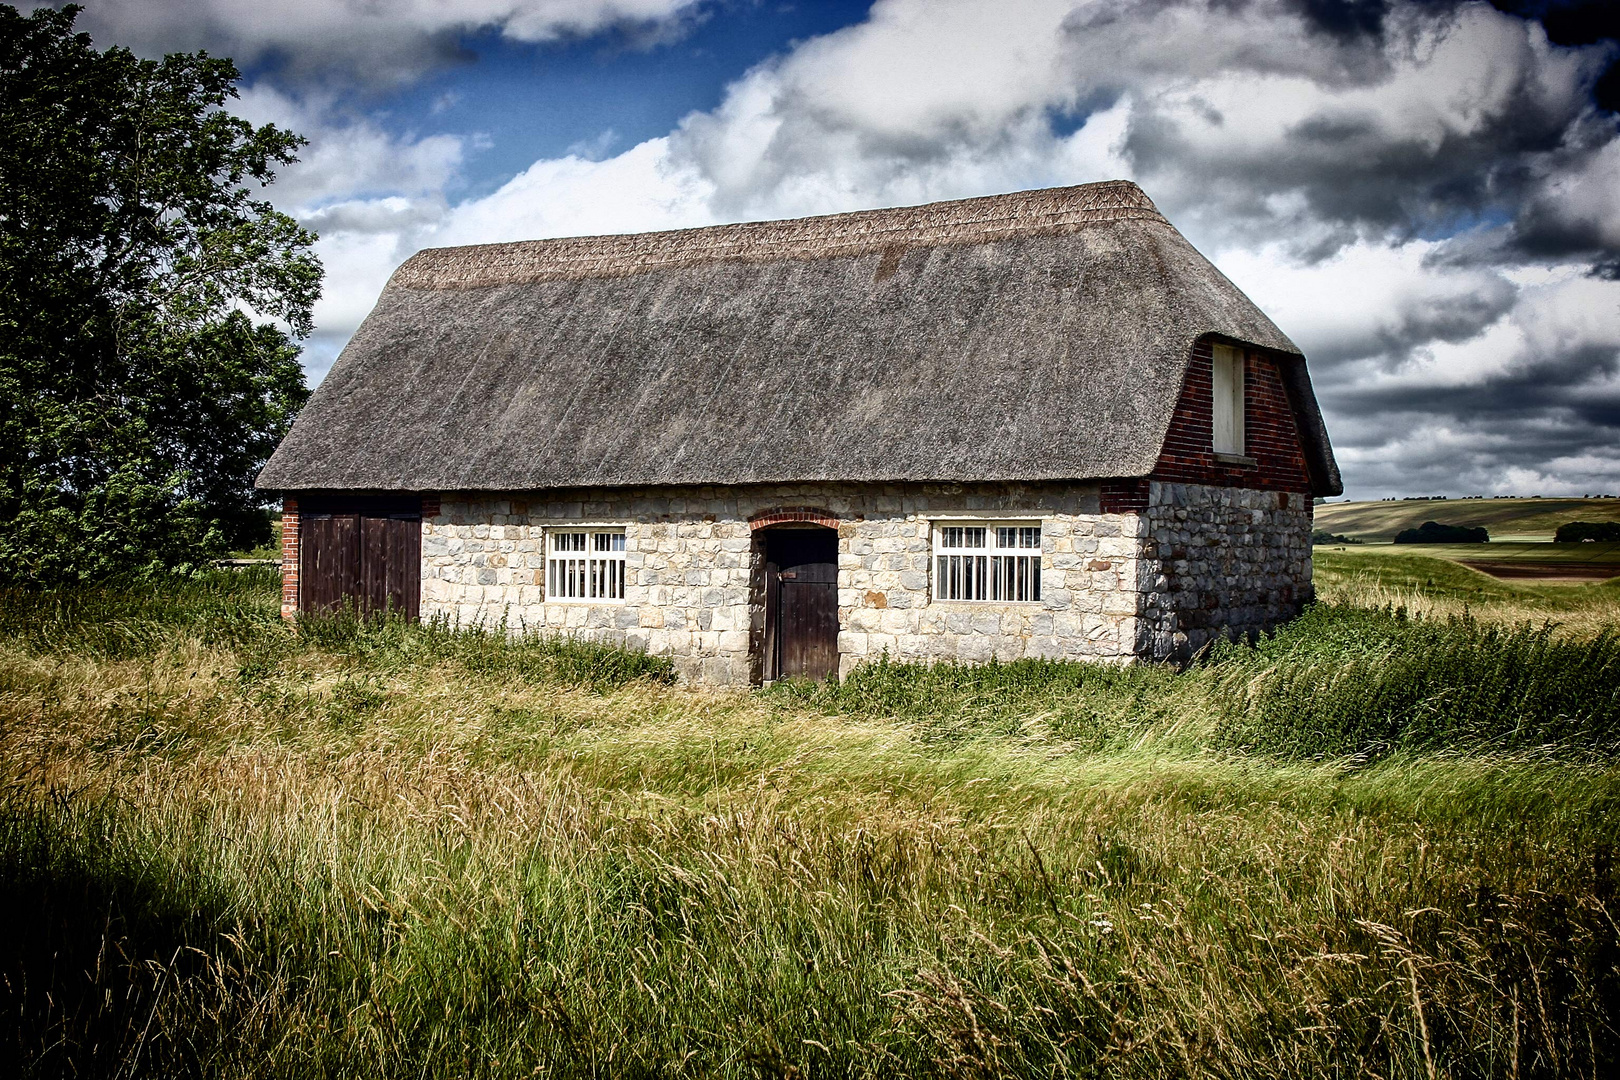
column 640, row 190
column 350, row 155
column 366, row 40
column 1388, row 299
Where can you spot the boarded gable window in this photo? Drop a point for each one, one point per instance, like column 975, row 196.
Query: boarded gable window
column 1227, row 380
column 991, row 561
column 585, row 564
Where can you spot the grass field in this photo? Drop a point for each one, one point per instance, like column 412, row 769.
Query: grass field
column 1435, row 585
column 1512, row 519
column 1382, row 843
column 1526, row 563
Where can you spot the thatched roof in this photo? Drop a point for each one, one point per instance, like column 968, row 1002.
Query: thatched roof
column 1041, row 335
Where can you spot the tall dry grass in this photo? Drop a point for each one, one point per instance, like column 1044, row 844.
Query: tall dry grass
column 1441, row 589
column 227, row 851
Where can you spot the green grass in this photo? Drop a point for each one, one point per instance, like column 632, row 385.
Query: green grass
column 240, row 609
column 1504, row 552
column 1538, row 518
column 1375, row 576
column 1342, row 681
column 1375, row 844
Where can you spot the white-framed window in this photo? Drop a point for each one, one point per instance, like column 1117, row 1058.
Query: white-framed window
column 1227, row 408
column 585, row 564
column 992, row 561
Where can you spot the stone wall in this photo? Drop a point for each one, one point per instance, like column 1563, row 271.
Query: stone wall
column 1158, row 582
column 1220, row 560
column 1089, row 597
column 694, row 589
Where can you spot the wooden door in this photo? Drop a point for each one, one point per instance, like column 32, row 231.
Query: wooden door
column 329, row 558
column 365, row 554
column 391, row 565
column 801, row 612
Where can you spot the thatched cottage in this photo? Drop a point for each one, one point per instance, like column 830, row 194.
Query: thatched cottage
column 1037, row 424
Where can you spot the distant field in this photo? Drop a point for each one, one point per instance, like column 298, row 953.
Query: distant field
column 1516, row 518
column 1530, row 561
column 1411, row 577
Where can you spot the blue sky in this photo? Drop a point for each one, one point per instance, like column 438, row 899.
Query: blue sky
column 1425, row 194
column 601, row 94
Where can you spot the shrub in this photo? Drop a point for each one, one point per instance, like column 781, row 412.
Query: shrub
column 1574, row 532
column 1432, row 532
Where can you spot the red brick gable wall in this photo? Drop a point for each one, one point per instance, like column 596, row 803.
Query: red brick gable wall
column 1270, row 438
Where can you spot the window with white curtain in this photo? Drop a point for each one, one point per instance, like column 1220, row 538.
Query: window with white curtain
column 585, row 564
column 992, row 561
column 1227, row 408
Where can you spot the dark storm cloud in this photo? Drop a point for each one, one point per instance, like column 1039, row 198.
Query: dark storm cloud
column 1355, row 170
column 1565, row 22
column 1557, row 402
column 1346, row 20
column 1331, row 126
column 1572, row 383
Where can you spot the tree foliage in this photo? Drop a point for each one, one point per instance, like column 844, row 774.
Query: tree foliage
column 1432, row 532
column 151, row 302
column 1575, row 532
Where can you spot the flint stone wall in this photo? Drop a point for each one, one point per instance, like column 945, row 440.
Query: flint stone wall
column 1114, row 586
column 1221, row 561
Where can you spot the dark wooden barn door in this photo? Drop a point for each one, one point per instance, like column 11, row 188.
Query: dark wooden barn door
column 801, row 603
column 329, row 557
column 361, row 553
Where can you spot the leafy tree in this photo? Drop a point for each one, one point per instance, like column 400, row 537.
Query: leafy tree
column 1575, row 532
column 150, row 306
column 1432, row 532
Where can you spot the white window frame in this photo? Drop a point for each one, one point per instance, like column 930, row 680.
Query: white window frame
column 1003, row 567
column 594, row 572
column 1227, row 392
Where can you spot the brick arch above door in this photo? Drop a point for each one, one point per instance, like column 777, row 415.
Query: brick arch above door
column 793, row 515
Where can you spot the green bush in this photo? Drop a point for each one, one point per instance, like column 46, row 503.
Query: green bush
column 1574, row 532
column 1432, row 532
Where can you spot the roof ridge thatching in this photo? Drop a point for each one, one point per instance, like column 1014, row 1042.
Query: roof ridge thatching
column 1045, row 212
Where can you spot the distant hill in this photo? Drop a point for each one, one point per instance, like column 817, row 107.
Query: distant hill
column 1503, row 517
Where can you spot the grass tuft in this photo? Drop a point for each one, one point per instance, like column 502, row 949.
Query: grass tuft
column 1344, row 681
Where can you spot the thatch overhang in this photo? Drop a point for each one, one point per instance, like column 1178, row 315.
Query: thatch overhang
column 1041, row 335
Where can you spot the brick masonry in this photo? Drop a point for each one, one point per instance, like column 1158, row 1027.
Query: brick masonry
column 289, row 558
column 1275, row 460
